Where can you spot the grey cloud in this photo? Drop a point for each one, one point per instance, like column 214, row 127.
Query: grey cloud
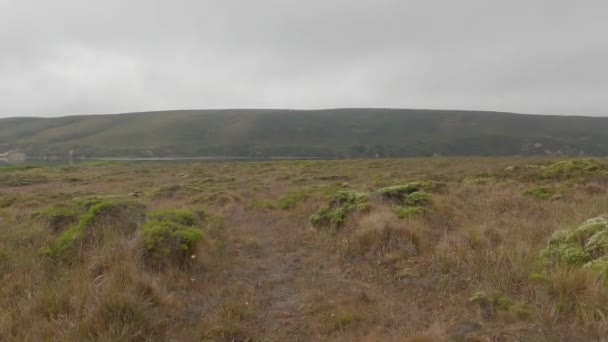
column 72, row 57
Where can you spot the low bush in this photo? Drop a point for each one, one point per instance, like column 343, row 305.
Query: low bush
column 399, row 193
column 418, row 198
column 58, row 218
column 340, row 206
column 171, row 236
column 122, row 216
column 180, row 216
column 575, row 168
column 586, row 246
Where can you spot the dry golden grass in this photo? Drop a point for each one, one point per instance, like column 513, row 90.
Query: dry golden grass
column 263, row 273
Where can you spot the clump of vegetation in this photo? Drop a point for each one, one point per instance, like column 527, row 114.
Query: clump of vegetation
column 21, row 179
column 222, row 198
column 399, row 193
column 261, row 204
column 380, row 233
column 411, row 199
column 172, row 191
column 171, row 235
column 418, row 198
column 180, row 216
column 343, row 319
column 498, row 303
column 17, row 168
column 125, row 216
column 7, row 200
column 575, row 168
column 409, row 212
column 87, row 202
column 59, row 217
column 340, row 206
column 540, row 192
column 586, row 245
column 292, row 199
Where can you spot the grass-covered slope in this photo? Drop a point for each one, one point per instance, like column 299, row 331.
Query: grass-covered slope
column 330, row 133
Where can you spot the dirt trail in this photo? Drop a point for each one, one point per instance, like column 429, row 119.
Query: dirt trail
column 265, row 263
column 298, row 289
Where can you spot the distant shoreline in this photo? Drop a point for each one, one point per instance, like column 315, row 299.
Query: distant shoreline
column 135, row 159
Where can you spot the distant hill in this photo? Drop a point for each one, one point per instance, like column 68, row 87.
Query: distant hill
column 295, row 133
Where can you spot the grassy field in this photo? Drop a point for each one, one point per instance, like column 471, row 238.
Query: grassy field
column 480, row 249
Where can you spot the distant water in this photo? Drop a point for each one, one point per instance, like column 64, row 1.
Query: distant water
column 66, row 162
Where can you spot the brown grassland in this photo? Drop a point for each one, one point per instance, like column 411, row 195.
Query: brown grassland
column 441, row 249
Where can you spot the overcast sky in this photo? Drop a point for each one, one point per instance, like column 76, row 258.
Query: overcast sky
column 65, row 57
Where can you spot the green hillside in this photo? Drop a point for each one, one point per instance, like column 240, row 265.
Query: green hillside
column 318, row 133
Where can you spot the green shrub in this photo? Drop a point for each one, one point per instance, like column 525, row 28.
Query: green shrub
column 575, row 168
column 87, row 202
column 340, row 206
column 179, row 216
column 399, row 193
column 417, row 198
column 171, row 235
column 124, row 216
column 170, row 239
column 586, row 245
column 599, row 266
column 59, row 218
